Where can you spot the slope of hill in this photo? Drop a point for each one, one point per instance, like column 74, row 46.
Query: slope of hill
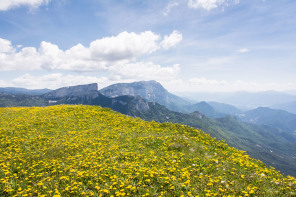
column 268, row 144
column 280, row 119
column 151, row 91
column 91, row 151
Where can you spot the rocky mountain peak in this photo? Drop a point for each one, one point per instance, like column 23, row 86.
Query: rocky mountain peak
column 145, row 89
column 151, row 91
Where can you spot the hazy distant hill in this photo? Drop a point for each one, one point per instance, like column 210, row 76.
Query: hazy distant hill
column 11, row 100
column 289, row 107
column 280, row 119
column 268, row 144
column 213, row 109
column 225, row 108
column 13, row 90
column 150, row 90
column 206, row 109
column 244, row 100
column 79, row 90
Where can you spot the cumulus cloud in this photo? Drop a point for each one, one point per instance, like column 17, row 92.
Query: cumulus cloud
column 173, row 39
column 127, row 74
column 169, row 7
column 25, row 59
column 101, row 55
column 204, row 81
column 5, row 84
column 5, row 46
column 144, row 71
column 10, row 4
column 197, row 84
column 243, row 50
column 124, row 46
column 210, row 4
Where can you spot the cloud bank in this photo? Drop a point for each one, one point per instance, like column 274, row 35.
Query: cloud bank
column 11, row 4
column 210, row 4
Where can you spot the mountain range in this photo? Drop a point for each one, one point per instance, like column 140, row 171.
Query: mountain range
column 289, row 107
column 267, row 141
column 248, row 100
column 13, row 90
column 280, row 119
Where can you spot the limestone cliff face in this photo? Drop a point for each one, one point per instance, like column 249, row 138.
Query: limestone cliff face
column 80, row 90
column 149, row 90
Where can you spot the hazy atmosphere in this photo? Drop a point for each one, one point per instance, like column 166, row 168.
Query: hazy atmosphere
column 186, row 45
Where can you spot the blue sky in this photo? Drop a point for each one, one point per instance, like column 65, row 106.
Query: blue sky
column 186, row 45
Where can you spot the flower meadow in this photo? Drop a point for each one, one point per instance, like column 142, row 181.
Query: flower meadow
column 80, row 150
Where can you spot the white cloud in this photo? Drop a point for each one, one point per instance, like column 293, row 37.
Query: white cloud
column 204, row 81
column 124, row 46
column 173, row 39
column 201, row 84
column 144, row 71
column 128, row 73
column 243, row 50
column 210, row 4
column 169, row 7
column 5, row 84
column 25, row 59
column 55, row 80
column 5, row 46
column 10, row 4
column 101, row 55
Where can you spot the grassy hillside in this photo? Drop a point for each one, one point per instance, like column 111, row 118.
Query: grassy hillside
column 92, row 151
column 268, row 144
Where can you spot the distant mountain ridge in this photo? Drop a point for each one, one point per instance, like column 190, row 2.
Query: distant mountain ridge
column 280, row 119
column 225, row 108
column 206, row 109
column 79, row 90
column 289, row 107
column 244, row 100
column 13, row 90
